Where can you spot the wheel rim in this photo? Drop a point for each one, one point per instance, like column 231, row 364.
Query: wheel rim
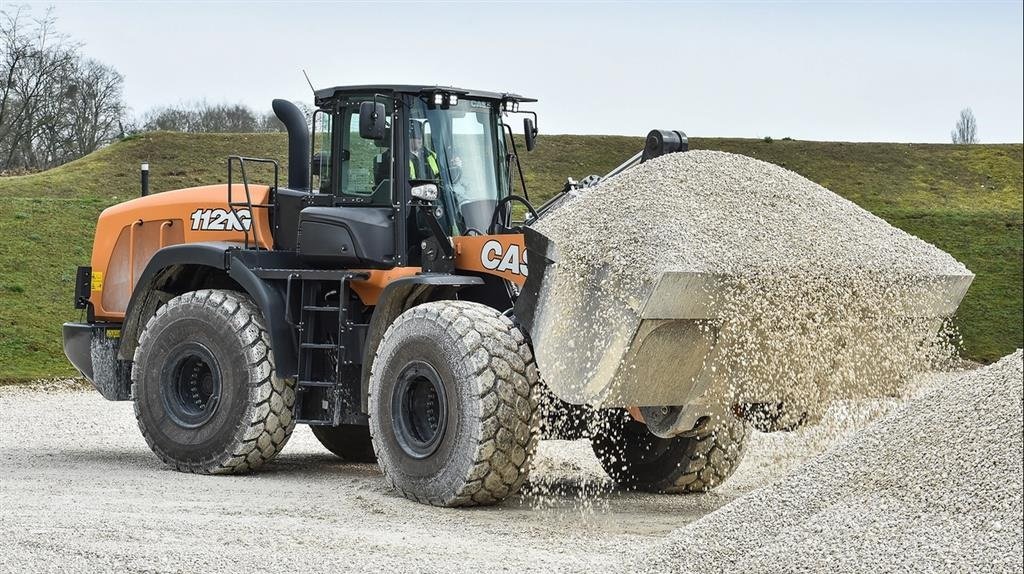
column 190, row 385
column 419, row 409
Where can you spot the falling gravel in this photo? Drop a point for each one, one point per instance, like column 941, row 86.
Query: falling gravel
column 936, row 486
column 814, row 299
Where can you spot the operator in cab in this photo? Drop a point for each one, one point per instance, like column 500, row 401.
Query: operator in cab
column 422, row 161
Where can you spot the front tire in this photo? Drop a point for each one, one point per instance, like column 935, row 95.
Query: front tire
column 453, row 406
column 637, row 459
column 206, row 398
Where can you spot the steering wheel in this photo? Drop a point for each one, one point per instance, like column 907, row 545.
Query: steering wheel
column 454, row 166
column 499, row 209
column 454, row 173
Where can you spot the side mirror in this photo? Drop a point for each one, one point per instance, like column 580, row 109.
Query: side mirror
column 371, row 120
column 530, row 131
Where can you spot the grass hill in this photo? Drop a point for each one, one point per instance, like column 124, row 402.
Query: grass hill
column 965, row 199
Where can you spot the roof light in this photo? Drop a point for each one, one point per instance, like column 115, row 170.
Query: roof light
column 515, row 106
column 453, row 100
column 438, row 99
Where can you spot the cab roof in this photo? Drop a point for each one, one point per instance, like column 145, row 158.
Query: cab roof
column 330, row 93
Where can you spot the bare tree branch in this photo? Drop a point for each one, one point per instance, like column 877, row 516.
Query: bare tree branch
column 204, row 117
column 55, row 105
column 966, row 130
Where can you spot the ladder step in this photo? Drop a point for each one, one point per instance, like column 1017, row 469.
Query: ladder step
column 317, row 384
column 325, row 346
column 309, row 274
column 320, row 308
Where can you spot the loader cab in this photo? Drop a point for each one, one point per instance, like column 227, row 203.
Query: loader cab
column 459, row 145
column 362, row 178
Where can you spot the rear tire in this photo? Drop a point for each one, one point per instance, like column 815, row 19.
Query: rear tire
column 206, row 398
column 348, row 442
column 453, row 406
column 637, row 459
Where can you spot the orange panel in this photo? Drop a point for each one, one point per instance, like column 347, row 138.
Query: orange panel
column 128, row 234
column 501, row 255
column 636, row 414
column 369, row 290
column 136, row 245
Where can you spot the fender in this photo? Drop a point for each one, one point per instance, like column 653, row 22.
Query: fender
column 148, row 295
column 399, row 295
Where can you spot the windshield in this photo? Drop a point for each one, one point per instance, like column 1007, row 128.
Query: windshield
column 458, row 147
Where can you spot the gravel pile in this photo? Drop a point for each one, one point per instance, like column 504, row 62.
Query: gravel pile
column 718, row 211
column 935, row 486
column 815, row 288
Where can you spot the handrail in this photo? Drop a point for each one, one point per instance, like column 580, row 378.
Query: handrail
column 248, row 196
column 164, row 225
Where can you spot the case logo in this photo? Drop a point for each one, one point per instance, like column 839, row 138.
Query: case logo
column 216, row 219
column 496, row 257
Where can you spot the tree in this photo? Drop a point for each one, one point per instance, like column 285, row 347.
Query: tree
column 55, row 105
column 97, row 107
column 966, row 130
column 221, row 118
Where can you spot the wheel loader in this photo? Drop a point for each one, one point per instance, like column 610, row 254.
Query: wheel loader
column 386, row 296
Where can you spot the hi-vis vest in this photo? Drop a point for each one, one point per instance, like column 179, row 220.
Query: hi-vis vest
column 432, row 167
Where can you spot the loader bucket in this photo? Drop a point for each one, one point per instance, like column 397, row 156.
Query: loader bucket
column 656, row 347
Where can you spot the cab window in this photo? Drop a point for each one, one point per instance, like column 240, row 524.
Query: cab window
column 364, row 170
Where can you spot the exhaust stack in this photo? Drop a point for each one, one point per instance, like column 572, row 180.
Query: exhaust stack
column 298, row 142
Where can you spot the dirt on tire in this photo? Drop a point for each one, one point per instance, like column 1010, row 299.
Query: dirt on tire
column 489, row 381
column 253, row 417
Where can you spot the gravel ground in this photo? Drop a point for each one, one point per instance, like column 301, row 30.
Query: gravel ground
column 82, row 492
column 936, row 486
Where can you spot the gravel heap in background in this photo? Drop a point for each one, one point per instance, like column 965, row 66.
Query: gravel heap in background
column 935, row 486
column 814, row 283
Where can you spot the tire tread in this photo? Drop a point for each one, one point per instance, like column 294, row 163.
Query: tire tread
column 701, row 462
column 267, row 422
column 502, row 363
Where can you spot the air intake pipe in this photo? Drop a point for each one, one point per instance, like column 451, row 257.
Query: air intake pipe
column 298, row 142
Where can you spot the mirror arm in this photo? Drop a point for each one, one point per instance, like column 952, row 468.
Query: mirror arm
column 519, row 166
column 434, row 262
column 534, row 114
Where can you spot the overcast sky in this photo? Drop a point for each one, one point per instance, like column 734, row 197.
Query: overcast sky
column 864, row 71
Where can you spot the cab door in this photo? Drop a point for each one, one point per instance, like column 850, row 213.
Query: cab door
column 358, row 229
column 363, row 170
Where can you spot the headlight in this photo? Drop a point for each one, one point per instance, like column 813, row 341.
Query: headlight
column 426, row 192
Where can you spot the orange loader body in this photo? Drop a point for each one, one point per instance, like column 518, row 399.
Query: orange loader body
column 128, row 234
